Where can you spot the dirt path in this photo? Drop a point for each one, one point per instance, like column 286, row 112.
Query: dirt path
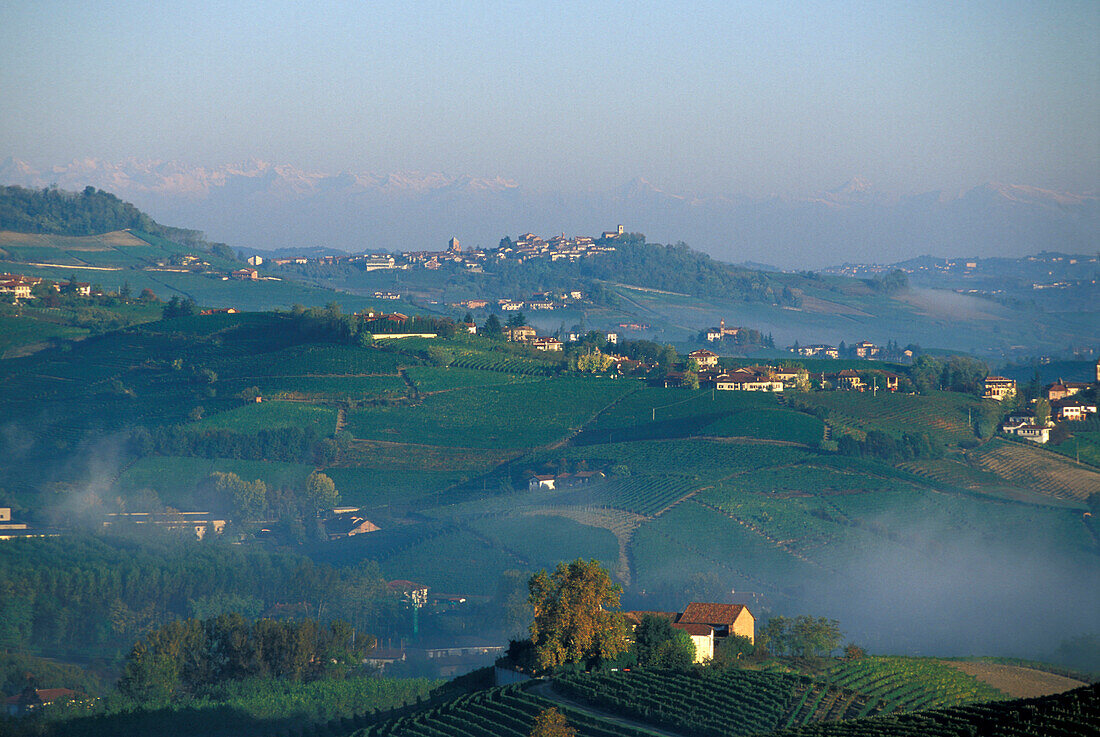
column 1016, row 681
column 546, row 691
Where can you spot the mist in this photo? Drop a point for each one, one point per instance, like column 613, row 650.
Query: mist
column 957, row 592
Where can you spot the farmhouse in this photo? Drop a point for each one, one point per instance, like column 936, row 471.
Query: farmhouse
column 1036, row 433
column 546, row 344
column 348, row 524
column 848, row 380
column 704, row 358
column 1074, row 411
column 998, row 387
column 707, row 624
column 1063, row 389
column 748, row 379
column 720, row 332
column 866, row 349
column 521, row 333
column 541, row 482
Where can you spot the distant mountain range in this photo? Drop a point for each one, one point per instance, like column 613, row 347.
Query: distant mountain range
column 258, row 205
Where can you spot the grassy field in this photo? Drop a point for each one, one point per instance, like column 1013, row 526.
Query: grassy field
column 175, row 479
column 18, row 333
column 370, row 487
column 1082, row 445
column 267, row 415
column 543, row 541
column 444, row 563
column 512, row 416
column 323, row 388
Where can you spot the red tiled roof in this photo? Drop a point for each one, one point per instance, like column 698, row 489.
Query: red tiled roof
column 713, row 614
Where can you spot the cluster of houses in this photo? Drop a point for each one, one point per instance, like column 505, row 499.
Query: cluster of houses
column 862, row 349
column 524, row 247
column 18, row 287
column 527, row 334
column 776, row 378
column 1065, row 406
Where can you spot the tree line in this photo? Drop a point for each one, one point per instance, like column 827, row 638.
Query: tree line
column 94, row 596
column 187, row 656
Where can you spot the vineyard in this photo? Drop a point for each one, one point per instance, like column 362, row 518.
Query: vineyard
column 499, row 712
column 322, row 360
column 696, row 703
column 707, row 460
column 910, row 684
column 771, row 424
column 1037, row 469
column 1072, row 714
column 322, row 388
column 646, row 494
column 716, row 704
column 945, row 416
column 430, row 379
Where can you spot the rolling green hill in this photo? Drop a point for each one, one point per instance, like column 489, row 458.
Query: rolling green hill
column 689, row 494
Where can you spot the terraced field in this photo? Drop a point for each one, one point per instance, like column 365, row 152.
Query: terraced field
column 1036, row 469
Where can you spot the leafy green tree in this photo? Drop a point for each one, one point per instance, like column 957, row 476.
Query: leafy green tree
column 492, row 327
column 321, row 494
column 1042, row 412
column 691, row 379
column 814, row 636
column 657, row 644
column 517, row 320
column 573, row 618
column 732, row 651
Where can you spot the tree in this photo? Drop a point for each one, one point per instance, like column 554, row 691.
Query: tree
column 551, row 723
column 731, row 650
column 1042, row 412
column 572, row 622
column 491, row 328
column 691, row 379
column 657, row 644
column 517, row 320
column 321, row 493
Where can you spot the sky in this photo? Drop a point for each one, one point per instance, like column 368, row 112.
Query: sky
column 704, row 98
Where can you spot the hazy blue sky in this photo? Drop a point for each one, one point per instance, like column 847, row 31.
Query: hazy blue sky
column 708, row 97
